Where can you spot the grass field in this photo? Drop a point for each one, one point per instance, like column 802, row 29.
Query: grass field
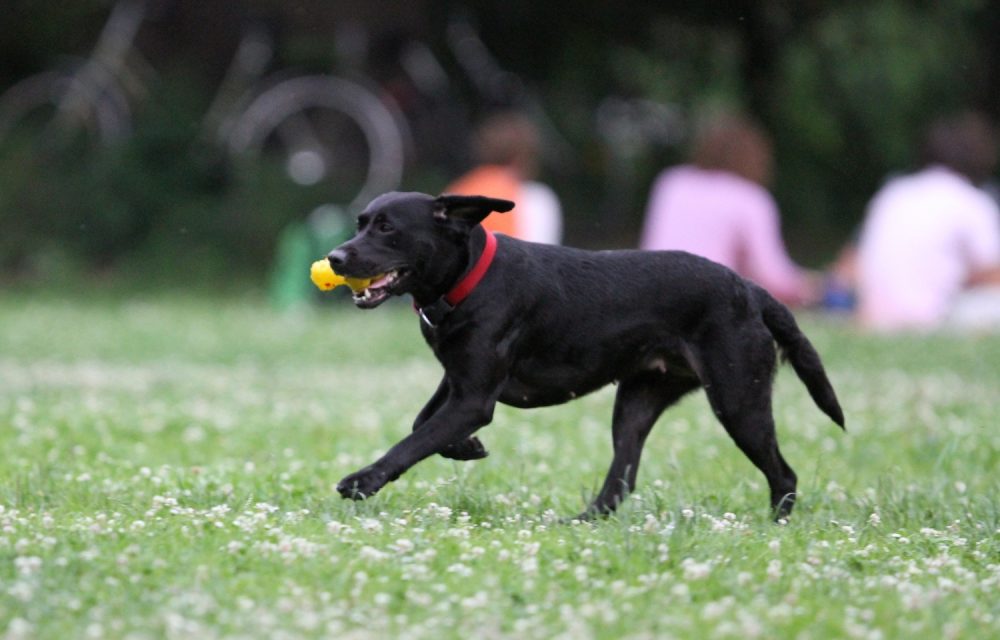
column 169, row 469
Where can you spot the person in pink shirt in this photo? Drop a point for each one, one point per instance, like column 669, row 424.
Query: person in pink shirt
column 718, row 207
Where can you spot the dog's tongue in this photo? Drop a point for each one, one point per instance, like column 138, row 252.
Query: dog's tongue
column 378, row 281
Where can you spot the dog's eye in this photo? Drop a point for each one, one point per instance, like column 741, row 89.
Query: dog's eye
column 385, row 227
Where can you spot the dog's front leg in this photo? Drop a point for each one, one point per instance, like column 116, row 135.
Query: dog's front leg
column 468, row 449
column 467, row 408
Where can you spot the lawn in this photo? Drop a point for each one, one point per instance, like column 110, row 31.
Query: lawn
column 169, row 469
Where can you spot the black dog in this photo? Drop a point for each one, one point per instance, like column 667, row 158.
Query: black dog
column 533, row 325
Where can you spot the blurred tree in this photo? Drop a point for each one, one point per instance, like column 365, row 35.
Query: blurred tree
column 852, row 92
column 845, row 87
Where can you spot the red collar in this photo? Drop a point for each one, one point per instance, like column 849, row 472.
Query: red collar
column 433, row 313
column 465, row 286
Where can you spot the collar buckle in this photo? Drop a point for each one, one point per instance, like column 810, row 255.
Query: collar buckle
column 435, row 312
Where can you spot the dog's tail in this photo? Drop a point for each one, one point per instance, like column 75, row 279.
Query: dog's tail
column 796, row 349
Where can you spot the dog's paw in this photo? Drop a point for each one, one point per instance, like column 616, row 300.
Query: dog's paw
column 469, row 449
column 363, row 484
column 588, row 516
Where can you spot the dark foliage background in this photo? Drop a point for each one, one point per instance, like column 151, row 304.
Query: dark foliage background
column 845, row 87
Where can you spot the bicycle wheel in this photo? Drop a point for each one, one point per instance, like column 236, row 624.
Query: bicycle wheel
column 325, row 130
column 54, row 129
column 62, row 110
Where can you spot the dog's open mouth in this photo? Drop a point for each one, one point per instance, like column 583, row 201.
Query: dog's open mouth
column 380, row 289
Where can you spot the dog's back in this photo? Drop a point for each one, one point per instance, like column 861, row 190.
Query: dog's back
column 630, row 307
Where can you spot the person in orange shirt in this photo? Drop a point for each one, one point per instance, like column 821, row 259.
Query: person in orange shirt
column 507, row 146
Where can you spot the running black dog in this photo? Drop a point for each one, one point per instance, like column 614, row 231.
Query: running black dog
column 533, row 325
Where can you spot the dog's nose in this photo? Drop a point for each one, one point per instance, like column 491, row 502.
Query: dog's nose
column 337, row 258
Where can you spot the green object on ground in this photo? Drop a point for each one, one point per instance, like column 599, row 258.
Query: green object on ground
column 299, row 244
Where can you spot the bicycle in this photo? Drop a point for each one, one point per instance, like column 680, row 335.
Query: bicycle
column 321, row 128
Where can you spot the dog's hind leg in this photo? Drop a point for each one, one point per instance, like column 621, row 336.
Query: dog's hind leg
column 738, row 382
column 470, row 448
column 639, row 402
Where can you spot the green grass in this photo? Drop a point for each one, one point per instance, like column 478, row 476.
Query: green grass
column 168, row 471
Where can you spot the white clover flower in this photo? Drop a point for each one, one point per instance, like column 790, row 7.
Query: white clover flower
column 694, row 570
column 20, row 628
column 874, row 519
column 477, row 601
column 336, row 528
column 419, row 598
column 27, row 565
column 774, row 569
column 716, row 609
column 650, row 524
column 402, row 546
column 21, row 590
column 664, row 552
column 370, row 525
column 529, row 565
column 371, row 553
column 681, row 591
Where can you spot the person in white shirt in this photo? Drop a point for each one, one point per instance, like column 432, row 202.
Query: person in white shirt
column 931, row 236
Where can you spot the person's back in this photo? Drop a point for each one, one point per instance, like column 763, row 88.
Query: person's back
column 718, row 207
column 929, row 236
column 924, row 236
column 508, row 148
column 709, row 214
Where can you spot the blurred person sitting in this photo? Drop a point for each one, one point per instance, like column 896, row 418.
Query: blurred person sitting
column 931, row 239
column 507, row 147
column 718, row 206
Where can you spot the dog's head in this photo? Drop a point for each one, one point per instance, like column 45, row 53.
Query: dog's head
column 411, row 243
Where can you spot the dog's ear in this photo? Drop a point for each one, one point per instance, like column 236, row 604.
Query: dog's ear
column 469, row 209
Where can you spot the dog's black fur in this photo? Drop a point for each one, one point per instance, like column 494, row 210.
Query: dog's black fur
column 548, row 324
